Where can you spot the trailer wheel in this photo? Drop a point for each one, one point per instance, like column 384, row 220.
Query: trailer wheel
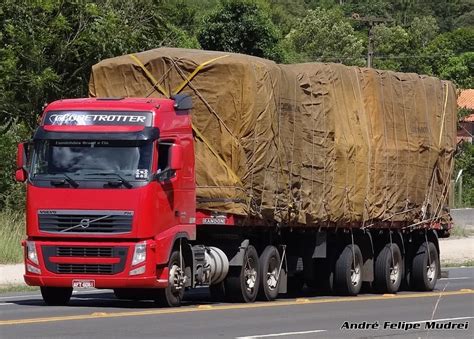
column 348, row 271
column 269, row 277
column 388, row 273
column 242, row 283
column 425, row 267
column 56, row 296
column 172, row 295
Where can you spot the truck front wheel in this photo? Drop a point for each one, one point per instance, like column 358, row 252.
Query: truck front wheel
column 56, row 296
column 242, row 282
column 172, row 295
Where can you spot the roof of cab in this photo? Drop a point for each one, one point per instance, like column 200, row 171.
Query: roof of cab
column 135, row 104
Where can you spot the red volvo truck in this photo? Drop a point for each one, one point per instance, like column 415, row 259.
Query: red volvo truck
column 111, row 203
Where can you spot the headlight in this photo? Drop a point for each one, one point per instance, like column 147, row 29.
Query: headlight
column 139, row 255
column 31, row 252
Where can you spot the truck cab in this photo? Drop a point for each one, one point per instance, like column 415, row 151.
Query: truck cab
column 110, row 186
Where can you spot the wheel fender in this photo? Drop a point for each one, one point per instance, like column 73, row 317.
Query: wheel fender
column 399, row 241
column 165, row 244
column 238, row 258
column 367, row 248
column 433, row 237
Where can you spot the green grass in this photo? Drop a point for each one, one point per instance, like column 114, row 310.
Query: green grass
column 17, row 288
column 467, row 263
column 12, row 231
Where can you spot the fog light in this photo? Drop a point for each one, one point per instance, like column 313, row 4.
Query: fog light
column 139, row 255
column 137, row 271
column 31, row 252
column 32, row 269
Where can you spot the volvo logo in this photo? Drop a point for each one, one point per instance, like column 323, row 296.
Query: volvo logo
column 85, row 223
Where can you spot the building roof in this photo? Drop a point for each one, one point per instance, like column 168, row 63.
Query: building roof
column 466, row 99
column 469, row 118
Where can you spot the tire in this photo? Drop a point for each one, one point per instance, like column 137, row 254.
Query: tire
column 269, row 274
column 388, row 274
column 56, row 296
column 347, row 275
column 242, row 282
column 172, row 295
column 424, row 274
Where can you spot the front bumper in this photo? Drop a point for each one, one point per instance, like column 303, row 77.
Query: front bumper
column 62, row 262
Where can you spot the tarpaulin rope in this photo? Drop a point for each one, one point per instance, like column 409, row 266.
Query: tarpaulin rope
column 219, row 158
column 196, row 71
column 150, row 76
column 200, row 96
column 444, row 113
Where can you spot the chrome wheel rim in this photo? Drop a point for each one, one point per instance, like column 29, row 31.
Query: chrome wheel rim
column 176, row 279
column 431, row 271
column 394, row 273
column 355, row 274
column 250, row 275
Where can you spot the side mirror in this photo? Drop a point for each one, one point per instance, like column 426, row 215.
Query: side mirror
column 20, row 173
column 21, row 155
column 182, row 102
column 176, row 161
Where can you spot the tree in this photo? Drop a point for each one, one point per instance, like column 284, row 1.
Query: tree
column 47, row 47
column 450, row 56
column 241, row 26
column 326, row 35
column 390, row 45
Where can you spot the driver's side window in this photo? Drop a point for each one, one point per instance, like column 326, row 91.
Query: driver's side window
column 164, row 155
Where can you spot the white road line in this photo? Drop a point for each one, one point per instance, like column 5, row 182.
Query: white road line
column 20, row 296
column 439, row 320
column 6, row 304
column 457, row 278
column 279, row 334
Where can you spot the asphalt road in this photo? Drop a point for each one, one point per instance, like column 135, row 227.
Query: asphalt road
column 97, row 314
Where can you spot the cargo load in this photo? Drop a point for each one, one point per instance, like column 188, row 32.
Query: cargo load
column 309, row 145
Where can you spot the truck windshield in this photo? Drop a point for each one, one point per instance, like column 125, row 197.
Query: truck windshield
column 83, row 159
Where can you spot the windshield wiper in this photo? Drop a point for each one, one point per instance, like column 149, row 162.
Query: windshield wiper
column 67, row 179
column 122, row 181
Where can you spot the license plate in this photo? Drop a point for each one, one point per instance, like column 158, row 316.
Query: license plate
column 83, row 283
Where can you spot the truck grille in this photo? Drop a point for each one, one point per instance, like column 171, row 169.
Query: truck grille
column 85, row 268
column 84, row 252
column 62, row 221
column 62, row 251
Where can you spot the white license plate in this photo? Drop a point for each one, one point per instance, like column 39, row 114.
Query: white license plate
column 83, row 283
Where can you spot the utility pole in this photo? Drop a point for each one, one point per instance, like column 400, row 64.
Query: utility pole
column 371, row 21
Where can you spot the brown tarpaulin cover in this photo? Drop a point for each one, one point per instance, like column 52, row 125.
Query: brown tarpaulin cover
column 308, row 144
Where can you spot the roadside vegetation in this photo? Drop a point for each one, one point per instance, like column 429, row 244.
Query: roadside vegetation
column 47, row 48
column 12, row 231
column 467, row 263
column 17, row 288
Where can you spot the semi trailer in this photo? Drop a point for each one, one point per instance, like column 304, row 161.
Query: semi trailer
column 260, row 179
